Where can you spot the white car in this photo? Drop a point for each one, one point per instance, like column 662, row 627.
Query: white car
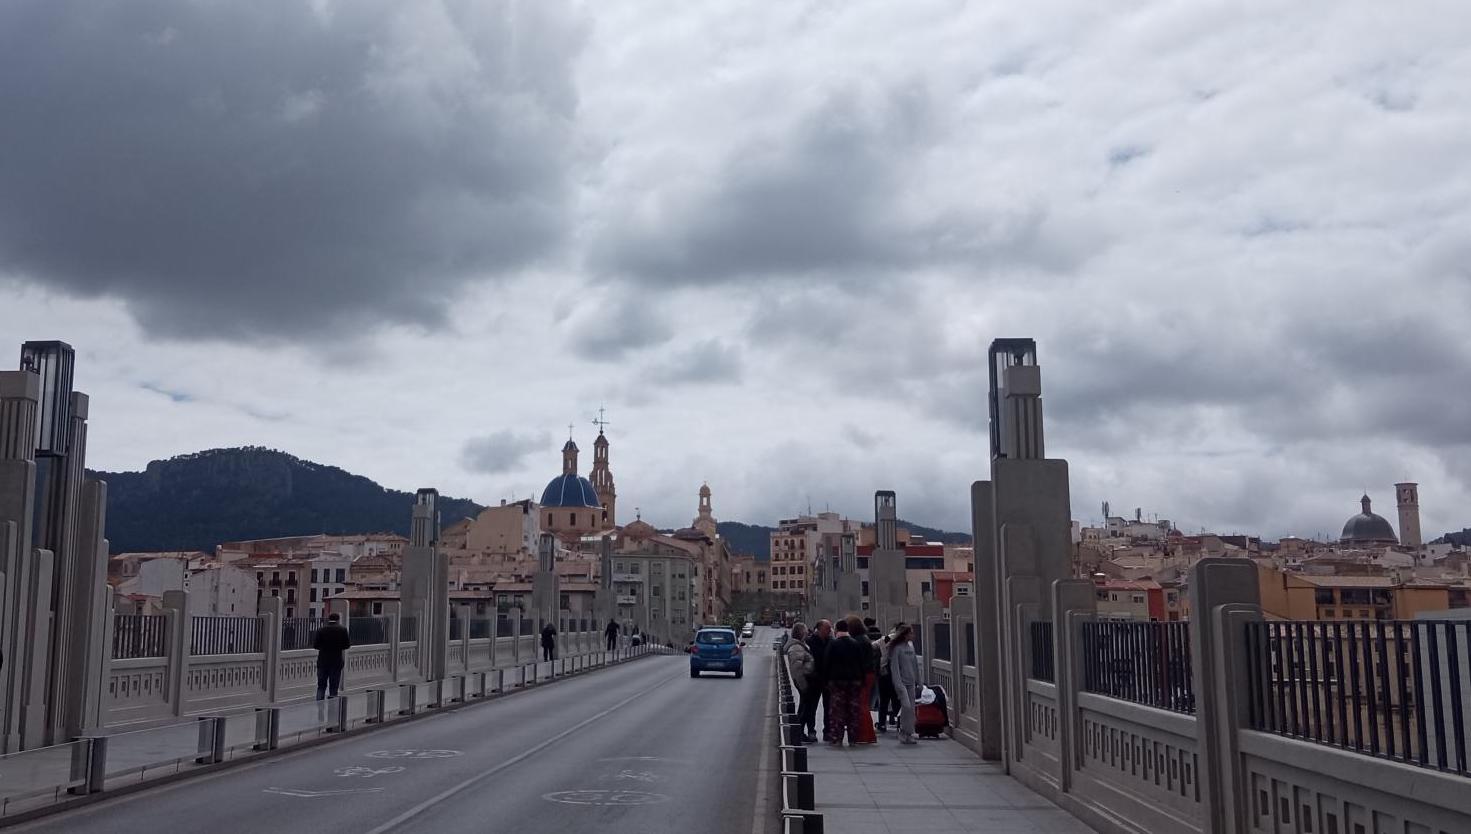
column 748, row 630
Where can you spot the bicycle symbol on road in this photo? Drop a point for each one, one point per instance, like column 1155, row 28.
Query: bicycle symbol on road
column 413, row 754
column 366, row 772
column 605, row 797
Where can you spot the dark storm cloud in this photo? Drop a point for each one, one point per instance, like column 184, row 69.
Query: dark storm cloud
column 708, row 362
column 228, row 169
column 501, row 451
column 608, row 333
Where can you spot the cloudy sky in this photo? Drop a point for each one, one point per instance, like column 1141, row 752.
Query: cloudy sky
column 416, row 240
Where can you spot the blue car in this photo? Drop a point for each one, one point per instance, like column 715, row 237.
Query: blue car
column 715, row 650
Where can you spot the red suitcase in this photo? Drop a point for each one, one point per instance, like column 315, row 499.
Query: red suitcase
column 930, row 720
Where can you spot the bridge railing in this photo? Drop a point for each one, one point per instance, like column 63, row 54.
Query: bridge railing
column 1233, row 722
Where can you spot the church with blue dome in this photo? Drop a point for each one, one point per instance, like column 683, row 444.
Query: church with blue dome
column 573, row 506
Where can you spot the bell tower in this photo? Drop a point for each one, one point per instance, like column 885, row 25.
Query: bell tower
column 1407, row 496
column 602, row 477
column 705, row 521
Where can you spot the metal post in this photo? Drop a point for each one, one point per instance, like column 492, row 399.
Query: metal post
column 267, row 728
column 408, row 698
column 376, row 699
column 211, row 739
column 341, row 725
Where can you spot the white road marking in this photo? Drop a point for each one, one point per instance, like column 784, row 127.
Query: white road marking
column 366, row 772
column 513, row 761
column 413, row 754
column 311, row 794
column 605, row 797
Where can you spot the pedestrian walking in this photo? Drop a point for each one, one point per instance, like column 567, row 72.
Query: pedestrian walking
column 888, row 698
column 904, row 671
column 859, row 632
column 549, row 642
column 331, row 642
column 817, row 643
column 611, row 633
column 845, row 664
column 803, row 667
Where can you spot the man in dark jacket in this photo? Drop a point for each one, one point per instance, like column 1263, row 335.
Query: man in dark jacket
column 611, row 632
column 331, row 643
column 817, row 643
column 548, row 642
column 846, row 663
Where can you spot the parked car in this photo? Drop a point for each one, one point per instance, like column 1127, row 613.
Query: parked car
column 748, row 630
column 716, row 650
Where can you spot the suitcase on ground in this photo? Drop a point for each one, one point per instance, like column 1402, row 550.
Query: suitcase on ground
column 930, row 720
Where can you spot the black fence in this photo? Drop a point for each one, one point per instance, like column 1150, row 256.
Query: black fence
column 456, row 628
column 408, row 629
column 298, row 632
column 504, row 626
column 480, row 629
column 224, row 635
column 1147, row 663
column 1043, row 665
column 527, row 626
column 139, row 635
column 368, row 631
column 940, row 643
column 1395, row 689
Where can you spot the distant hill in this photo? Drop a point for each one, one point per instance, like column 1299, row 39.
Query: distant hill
column 756, row 538
column 194, row 502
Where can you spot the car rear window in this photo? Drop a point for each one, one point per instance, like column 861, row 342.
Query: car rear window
column 719, row 637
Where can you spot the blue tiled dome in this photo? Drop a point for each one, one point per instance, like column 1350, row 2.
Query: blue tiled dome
column 569, row 491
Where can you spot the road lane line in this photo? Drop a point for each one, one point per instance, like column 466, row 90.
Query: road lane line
column 481, row 777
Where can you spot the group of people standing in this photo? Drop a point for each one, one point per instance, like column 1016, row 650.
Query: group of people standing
column 852, row 668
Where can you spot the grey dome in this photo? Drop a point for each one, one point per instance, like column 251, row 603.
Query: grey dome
column 1368, row 528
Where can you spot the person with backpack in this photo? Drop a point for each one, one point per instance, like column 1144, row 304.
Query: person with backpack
column 331, row 642
column 549, row 642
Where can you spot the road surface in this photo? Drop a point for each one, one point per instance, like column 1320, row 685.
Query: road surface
column 636, row 748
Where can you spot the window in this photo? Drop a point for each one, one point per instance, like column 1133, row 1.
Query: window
column 618, row 566
column 314, row 595
column 377, row 608
column 549, row 519
column 924, row 587
column 1138, row 598
column 291, row 612
column 1323, row 596
column 864, row 583
column 634, row 568
column 260, row 576
column 275, row 576
column 341, row 575
column 314, row 576
column 291, row 576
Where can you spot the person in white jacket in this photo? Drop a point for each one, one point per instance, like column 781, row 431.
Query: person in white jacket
column 904, row 672
column 803, row 666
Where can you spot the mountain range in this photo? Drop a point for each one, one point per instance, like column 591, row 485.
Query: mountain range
column 196, row 501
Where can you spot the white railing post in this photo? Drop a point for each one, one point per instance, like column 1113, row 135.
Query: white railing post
column 390, row 622
column 1074, row 602
column 176, row 609
column 270, row 615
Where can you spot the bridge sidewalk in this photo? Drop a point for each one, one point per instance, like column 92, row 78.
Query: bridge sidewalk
column 935, row 786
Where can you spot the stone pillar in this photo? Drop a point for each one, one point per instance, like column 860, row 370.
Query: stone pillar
column 391, row 613
column 464, row 612
column 516, row 616
column 1223, row 596
column 89, row 670
column 424, row 591
column 986, row 601
column 20, row 393
column 176, row 608
column 1074, row 602
column 269, row 611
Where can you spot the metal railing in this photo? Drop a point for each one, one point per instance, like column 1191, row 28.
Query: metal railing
column 1147, row 663
column 298, row 632
column 1043, row 664
column 139, row 635
column 503, row 626
column 224, row 635
column 480, row 629
column 1395, row 689
column 408, row 629
column 367, row 631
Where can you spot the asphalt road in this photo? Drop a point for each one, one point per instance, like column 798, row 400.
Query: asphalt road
column 637, row 748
